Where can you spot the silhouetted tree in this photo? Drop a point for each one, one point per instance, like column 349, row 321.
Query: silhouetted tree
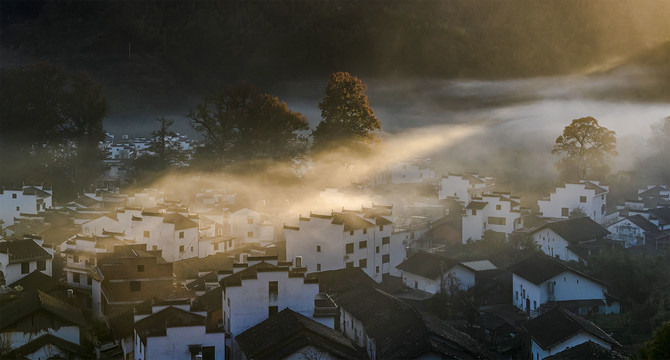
column 347, row 116
column 167, row 151
column 659, row 345
column 240, row 122
column 50, row 126
column 584, row 144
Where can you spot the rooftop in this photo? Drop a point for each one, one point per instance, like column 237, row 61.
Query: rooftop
column 577, row 230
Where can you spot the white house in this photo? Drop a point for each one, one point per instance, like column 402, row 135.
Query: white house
column 28, row 200
column 497, row 212
column 255, row 290
column 346, row 239
column 174, row 333
column 464, row 187
column 560, row 239
column 632, row 231
column 539, row 280
column 81, row 258
column 39, row 326
column 559, row 329
column 247, row 225
column 176, row 234
column 411, row 172
column 434, row 273
column 101, row 223
column 589, row 196
column 19, row 258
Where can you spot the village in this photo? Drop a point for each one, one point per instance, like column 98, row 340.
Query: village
column 460, row 271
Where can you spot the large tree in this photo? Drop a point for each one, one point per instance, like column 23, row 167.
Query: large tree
column 583, row 147
column 347, row 118
column 50, row 127
column 241, row 122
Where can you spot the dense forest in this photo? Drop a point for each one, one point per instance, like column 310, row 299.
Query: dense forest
column 193, row 45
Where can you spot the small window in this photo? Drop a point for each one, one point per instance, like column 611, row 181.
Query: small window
column 386, row 240
column 89, row 281
column 582, row 199
column 75, row 258
column 181, row 248
column 318, row 248
column 350, row 264
column 474, row 212
column 191, row 248
column 25, row 267
column 181, row 234
column 272, row 310
column 76, row 277
column 362, row 244
column 363, row 263
column 250, row 220
column 381, row 227
column 516, row 295
column 349, row 248
column 318, row 267
column 135, row 286
column 154, row 247
column 565, row 211
column 351, row 233
column 140, row 268
column 18, row 208
column 147, row 234
column 386, row 258
column 377, row 250
column 534, row 305
column 250, row 234
column 273, row 287
column 13, row 196
column 498, row 207
column 365, row 231
column 41, row 265
column 377, row 269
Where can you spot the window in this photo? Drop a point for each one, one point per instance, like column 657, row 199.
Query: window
column 377, row 250
column 250, row 220
column 216, row 246
column 181, row 234
column 135, row 286
column 362, row 244
column 498, row 207
column 250, row 234
column 318, row 267
column 349, row 248
column 516, row 295
column 386, row 258
column 365, row 231
column 25, row 267
column 363, row 263
column 140, row 268
column 18, row 208
column 181, row 248
column 75, row 258
column 474, row 212
column 208, row 353
column 89, row 281
column 582, row 199
column 494, row 220
column 154, row 247
column 350, row 264
column 13, row 196
column 41, row 265
column 534, row 305
column 147, row 234
column 272, row 310
column 377, row 269
column 191, row 248
column 351, row 233
column 565, row 211
column 386, row 240
column 273, row 287
column 381, row 227
column 318, row 248
column 76, row 277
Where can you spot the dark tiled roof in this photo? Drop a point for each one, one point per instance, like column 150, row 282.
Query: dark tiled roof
column 23, row 250
column 591, row 186
column 662, row 214
column 122, row 325
column 587, row 350
column 339, row 281
column 31, row 190
column 180, row 222
column 577, row 230
column 477, row 205
column 170, row 317
column 189, row 268
column 250, row 272
column 287, row 332
column 33, row 301
column 643, row 223
column 37, row 280
column 427, row 265
column 48, row 339
column 86, row 201
column 558, row 325
column 351, row 221
column 539, row 268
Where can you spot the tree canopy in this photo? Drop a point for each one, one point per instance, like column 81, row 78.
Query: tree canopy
column 347, row 117
column 659, row 345
column 50, row 126
column 241, row 122
column 583, row 146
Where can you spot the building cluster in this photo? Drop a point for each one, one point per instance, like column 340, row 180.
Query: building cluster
column 114, row 275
